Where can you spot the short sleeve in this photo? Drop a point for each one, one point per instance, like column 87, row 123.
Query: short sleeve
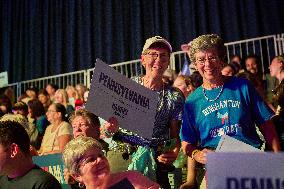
column 188, row 132
column 65, row 129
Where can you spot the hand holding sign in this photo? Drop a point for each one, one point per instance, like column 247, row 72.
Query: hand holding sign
column 114, row 95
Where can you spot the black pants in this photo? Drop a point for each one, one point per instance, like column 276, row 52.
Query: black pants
column 162, row 174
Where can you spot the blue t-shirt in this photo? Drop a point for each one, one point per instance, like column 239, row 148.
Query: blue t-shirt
column 236, row 112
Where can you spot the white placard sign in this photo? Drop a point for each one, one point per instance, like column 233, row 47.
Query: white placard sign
column 245, row 170
column 3, row 79
column 230, row 144
column 113, row 94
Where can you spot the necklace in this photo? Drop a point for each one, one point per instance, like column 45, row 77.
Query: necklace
column 146, row 83
column 161, row 93
column 212, row 100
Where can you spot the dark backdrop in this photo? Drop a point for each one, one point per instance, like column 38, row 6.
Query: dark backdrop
column 47, row 37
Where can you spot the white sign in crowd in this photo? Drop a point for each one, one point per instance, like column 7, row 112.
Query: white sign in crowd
column 237, row 165
column 3, row 79
column 113, row 94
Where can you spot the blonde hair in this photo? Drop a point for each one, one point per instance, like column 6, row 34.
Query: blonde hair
column 30, row 128
column 280, row 58
column 73, row 90
column 64, row 95
column 206, row 42
column 75, row 150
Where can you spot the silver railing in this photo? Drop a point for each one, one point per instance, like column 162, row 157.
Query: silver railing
column 129, row 69
column 266, row 47
column 61, row 80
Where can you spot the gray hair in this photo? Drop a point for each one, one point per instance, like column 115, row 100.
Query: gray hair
column 206, row 42
column 75, row 150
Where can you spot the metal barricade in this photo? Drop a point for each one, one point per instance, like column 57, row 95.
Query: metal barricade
column 177, row 60
column 61, row 80
column 15, row 89
column 129, row 69
column 280, row 43
column 266, row 47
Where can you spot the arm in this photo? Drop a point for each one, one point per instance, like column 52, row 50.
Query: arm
column 191, row 174
column 170, row 156
column 193, row 152
column 270, row 135
column 62, row 141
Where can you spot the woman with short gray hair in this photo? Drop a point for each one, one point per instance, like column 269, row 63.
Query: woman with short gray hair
column 84, row 157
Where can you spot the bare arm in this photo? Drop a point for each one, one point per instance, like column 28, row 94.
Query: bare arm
column 63, row 140
column 270, row 135
column 170, row 156
column 192, row 151
column 191, row 174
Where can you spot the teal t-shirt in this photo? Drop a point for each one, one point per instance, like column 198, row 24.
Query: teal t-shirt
column 41, row 124
column 236, row 112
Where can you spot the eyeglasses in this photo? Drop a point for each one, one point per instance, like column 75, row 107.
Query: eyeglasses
column 49, row 111
column 211, row 59
column 163, row 56
column 81, row 126
column 90, row 159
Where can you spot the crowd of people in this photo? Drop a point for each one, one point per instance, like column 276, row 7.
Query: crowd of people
column 193, row 112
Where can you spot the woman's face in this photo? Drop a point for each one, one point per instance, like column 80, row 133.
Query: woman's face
column 251, row 65
column 93, row 167
column 52, row 115
column 81, row 127
column 30, row 112
column 50, row 90
column 42, row 98
column 209, row 65
column 80, row 90
column 70, row 93
column 156, row 61
column 58, row 97
column 227, row 71
column 181, row 85
column 275, row 67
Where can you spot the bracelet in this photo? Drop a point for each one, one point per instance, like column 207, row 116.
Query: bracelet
column 194, row 152
column 189, row 149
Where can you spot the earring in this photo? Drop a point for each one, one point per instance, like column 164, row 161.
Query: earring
column 81, row 185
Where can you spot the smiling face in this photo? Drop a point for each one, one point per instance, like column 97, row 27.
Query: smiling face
column 58, row 97
column 228, row 71
column 251, row 65
column 156, row 61
column 180, row 83
column 93, row 168
column 43, row 99
column 52, row 115
column 275, row 67
column 209, row 65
